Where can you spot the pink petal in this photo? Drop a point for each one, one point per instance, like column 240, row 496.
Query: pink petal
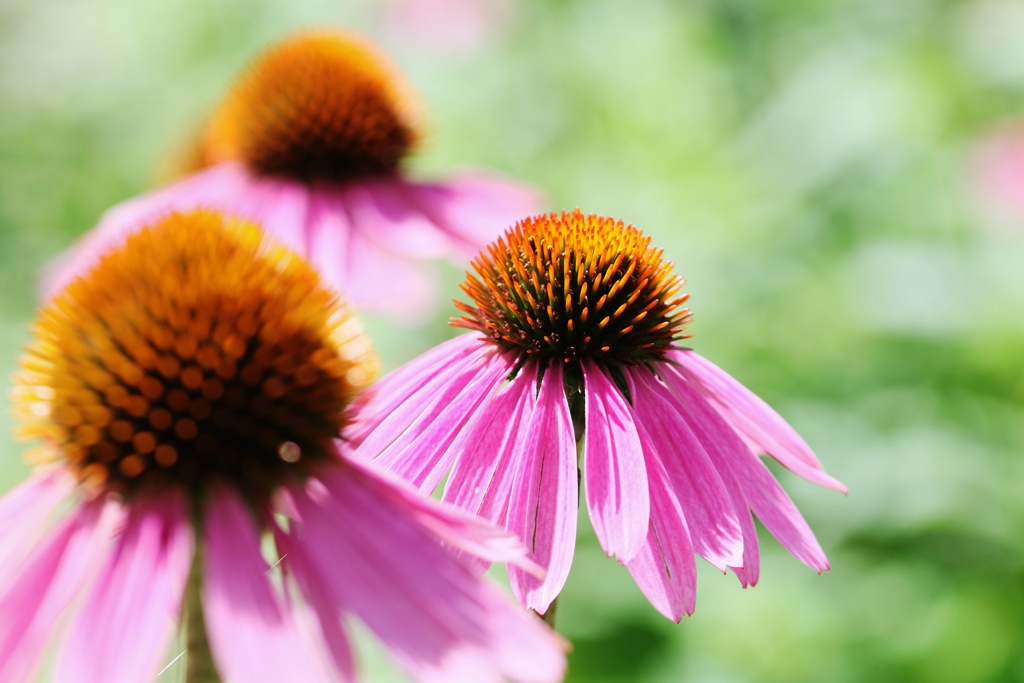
column 278, row 205
column 416, row 450
column 329, row 231
column 475, row 208
column 376, row 403
column 379, row 280
column 710, row 514
column 52, row 577
column 613, row 468
column 762, row 492
column 253, row 635
column 481, row 480
column 525, row 651
column 370, row 557
column 545, row 495
column 24, row 512
column 383, row 212
column 461, row 530
column 664, row 568
column 422, row 455
column 753, row 418
column 749, row 570
column 122, row 632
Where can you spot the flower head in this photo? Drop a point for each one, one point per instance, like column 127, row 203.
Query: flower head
column 198, row 379
column 571, row 287
column 318, row 105
column 581, row 320
column 183, row 360
column 309, row 144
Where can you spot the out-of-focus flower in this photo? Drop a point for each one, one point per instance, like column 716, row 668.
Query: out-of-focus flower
column 998, row 167
column 449, row 26
column 196, row 381
column 576, row 322
column 309, row 144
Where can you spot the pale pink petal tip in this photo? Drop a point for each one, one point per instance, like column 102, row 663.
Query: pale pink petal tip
column 754, row 419
column 751, row 483
column 370, row 551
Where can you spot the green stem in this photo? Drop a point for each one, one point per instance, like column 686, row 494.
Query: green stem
column 549, row 616
column 200, row 667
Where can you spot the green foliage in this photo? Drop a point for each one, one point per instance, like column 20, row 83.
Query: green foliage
column 806, row 164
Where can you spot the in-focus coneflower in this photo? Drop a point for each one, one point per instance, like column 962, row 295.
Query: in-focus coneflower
column 576, row 326
column 195, row 383
column 309, row 143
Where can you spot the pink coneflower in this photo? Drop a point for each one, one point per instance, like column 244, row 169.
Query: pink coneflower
column 309, row 144
column 196, row 382
column 576, row 321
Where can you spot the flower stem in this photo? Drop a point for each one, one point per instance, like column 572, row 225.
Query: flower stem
column 200, row 667
column 549, row 616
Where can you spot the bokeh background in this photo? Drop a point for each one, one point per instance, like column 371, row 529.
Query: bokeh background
column 841, row 182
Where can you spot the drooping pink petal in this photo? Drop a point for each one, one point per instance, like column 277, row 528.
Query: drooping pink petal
column 371, row 558
column 481, row 479
column 413, row 441
column 421, row 455
column 122, row 631
column 378, row 401
column 328, row 234
column 664, row 569
column 710, row 514
column 252, row 631
column 383, row 212
column 24, row 511
column 545, row 495
column 753, row 418
column 475, row 208
column 459, row 529
column 762, row 492
column 750, row 569
column 613, row 468
column 50, row 579
column 380, row 280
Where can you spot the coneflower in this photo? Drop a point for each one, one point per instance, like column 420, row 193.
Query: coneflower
column 195, row 383
column 309, row 143
column 575, row 362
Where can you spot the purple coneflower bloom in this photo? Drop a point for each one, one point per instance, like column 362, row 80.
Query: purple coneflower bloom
column 309, row 145
column 577, row 322
column 195, row 383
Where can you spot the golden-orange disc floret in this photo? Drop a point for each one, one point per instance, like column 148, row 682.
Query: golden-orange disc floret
column 317, row 105
column 573, row 286
column 196, row 352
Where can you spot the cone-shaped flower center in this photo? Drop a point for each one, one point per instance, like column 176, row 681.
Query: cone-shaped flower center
column 195, row 352
column 571, row 286
column 320, row 105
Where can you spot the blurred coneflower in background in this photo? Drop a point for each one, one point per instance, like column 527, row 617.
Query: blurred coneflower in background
column 309, row 143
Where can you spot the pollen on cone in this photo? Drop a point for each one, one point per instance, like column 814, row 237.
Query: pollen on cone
column 574, row 286
column 196, row 351
column 317, row 105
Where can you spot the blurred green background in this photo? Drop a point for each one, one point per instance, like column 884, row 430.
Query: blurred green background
column 811, row 166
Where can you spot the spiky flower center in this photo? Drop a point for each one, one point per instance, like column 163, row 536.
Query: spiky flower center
column 571, row 286
column 195, row 352
column 319, row 105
